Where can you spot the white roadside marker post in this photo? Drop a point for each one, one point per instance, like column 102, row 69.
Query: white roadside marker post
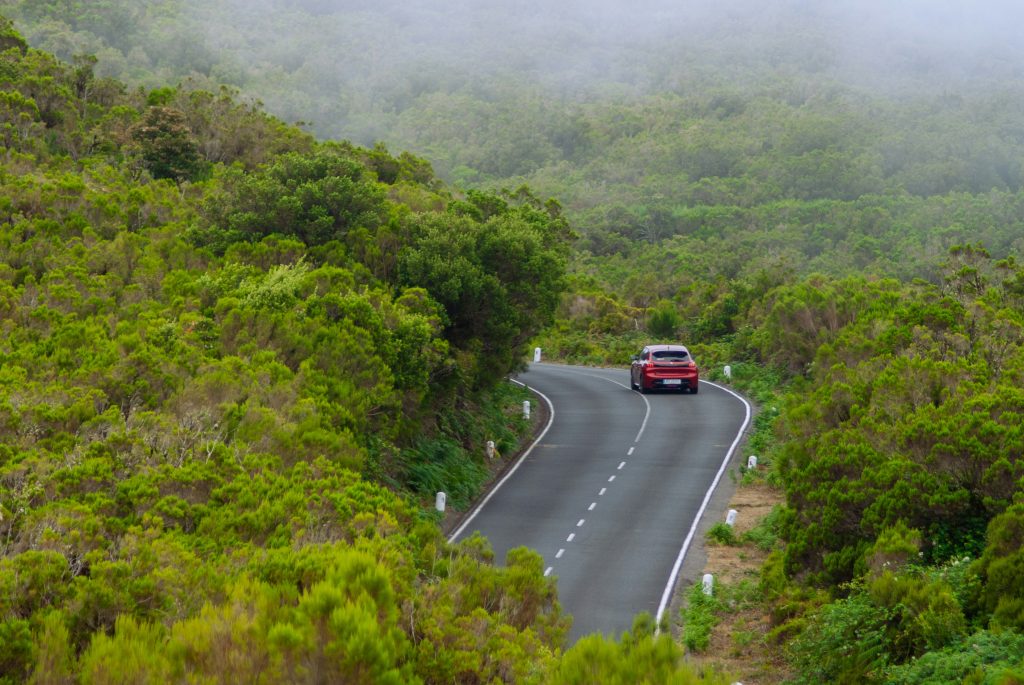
column 536, row 354
column 708, row 584
column 752, row 462
column 491, row 450
column 439, row 502
column 727, row 370
column 730, row 518
column 526, row 409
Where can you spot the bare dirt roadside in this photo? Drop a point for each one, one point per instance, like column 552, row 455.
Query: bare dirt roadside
column 739, row 642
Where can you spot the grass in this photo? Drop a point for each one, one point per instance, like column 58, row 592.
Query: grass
column 722, row 534
column 699, row 618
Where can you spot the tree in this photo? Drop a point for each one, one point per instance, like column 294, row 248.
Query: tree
column 499, row 279
column 10, row 38
column 663, row 321
column 166, row 145
column 318, row 198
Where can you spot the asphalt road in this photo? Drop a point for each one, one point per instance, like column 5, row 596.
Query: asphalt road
column 611, row 492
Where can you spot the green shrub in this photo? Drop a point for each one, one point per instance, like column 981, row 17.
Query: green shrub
column 699, row 618
column 441, row 465
column 773, row 579
column 981, row 658
column 722, row 534
column 765, row 535
column 844, row 642
column 895, row 547
column 664, row 320
column 17, row 651
column 639, row 657
column 1000, row 568
column 923, row 614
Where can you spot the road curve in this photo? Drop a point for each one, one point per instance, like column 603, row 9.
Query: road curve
column 610, row 494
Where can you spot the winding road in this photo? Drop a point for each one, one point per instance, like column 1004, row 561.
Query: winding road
column 611, row 492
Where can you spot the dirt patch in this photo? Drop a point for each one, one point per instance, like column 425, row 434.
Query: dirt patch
column 754, row 502
column 739, row 645
column 732, row 564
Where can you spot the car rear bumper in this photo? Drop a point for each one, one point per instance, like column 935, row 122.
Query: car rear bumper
column 666, row 382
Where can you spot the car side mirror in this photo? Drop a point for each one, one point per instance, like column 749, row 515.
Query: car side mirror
column 635, row 357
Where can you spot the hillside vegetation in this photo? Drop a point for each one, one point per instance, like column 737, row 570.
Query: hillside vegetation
column 236, row 362
column 840, row 220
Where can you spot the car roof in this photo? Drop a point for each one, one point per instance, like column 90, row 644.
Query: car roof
column 660, row 348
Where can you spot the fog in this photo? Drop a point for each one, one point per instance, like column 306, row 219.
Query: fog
column 859, row 40
column 354, row 68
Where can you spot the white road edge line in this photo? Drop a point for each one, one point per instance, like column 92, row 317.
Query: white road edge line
column 476, row 510
column 666, row 596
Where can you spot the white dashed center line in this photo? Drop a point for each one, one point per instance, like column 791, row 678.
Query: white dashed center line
column 611, row 479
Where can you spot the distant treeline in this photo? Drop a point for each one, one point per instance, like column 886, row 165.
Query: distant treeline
column 767, row 121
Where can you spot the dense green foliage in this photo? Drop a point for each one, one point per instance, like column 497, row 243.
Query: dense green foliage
column 197, row 440
column 236, row 364
column 771, row 130
column 639, row 657
column 277, row 314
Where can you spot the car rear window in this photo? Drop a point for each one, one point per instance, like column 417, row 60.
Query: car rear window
column 670, row 356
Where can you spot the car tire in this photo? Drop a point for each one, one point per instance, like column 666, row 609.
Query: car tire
column 694, row 388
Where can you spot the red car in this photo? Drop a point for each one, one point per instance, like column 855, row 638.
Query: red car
column 664, row 367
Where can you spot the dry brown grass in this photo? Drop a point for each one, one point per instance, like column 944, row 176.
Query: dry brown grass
column 738, row 643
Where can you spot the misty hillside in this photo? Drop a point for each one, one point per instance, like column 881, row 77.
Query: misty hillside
column 239, row 355
column 632, row 115
column 349, row 68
